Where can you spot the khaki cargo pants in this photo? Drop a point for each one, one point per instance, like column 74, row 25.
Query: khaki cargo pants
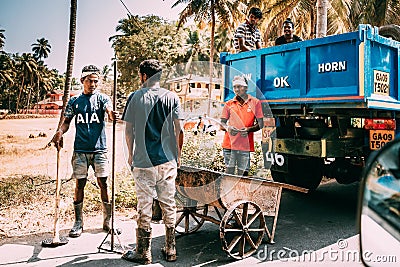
column 156, row 182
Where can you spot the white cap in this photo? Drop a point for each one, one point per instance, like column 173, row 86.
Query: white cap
column 90, row 69
column 239, row 80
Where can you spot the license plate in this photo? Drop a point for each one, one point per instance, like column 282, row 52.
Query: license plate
column 378, row 138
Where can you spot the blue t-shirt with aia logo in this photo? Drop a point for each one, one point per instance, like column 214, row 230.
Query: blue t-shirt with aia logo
column 89, row 112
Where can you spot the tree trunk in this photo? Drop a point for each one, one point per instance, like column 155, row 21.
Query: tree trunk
column 322, row 18
column 70, row 58
column 28, row 102
column 19, row 95
column 211, row 56
column 37, row 95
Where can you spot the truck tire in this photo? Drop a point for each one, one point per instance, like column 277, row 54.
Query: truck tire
column 304, row 171
column 391, row 31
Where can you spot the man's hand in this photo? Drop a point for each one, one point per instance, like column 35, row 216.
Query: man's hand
column 58, row 139
column 232, row 130
column 113, row 115
column 244, row 131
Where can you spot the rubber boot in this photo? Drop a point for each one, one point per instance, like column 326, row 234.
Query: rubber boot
column 169, row 250
column 77, row 229
column 106, row 216
column 142, row 254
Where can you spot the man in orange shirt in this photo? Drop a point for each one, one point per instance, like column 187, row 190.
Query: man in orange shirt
column 241, row 117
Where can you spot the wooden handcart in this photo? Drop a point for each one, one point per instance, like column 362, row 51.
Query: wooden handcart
column 242, row 207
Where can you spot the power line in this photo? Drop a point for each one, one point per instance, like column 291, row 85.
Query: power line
column 134, row 19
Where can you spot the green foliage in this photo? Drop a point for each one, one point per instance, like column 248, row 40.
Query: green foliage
column 143, row 38
column 204, row 151
column 23, row 190
column 125, row 196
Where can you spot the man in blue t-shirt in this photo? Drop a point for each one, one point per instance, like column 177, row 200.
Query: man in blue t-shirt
column 90, row 149
column 154, row 138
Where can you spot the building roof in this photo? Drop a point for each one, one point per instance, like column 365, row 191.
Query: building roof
column 195, row 79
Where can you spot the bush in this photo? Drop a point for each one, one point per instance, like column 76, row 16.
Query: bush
column 204, row 151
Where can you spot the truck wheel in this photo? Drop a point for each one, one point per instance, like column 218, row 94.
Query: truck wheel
column 304, row 171
column 391, row 31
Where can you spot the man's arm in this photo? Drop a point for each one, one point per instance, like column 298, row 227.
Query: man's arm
column 242, row 46
column 129, row 139
column 258, row 45
column 178, row 125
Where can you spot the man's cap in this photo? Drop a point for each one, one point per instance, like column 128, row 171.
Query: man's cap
column 239, row 80
column 90, row 69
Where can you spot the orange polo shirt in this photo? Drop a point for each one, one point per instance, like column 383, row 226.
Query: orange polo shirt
column 240, row 116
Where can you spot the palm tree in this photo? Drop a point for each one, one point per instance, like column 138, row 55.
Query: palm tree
column 206, row 11
column 7, row 69
column 2, row 38
column 41, row 49
column 70, row 57
column 27, row 66
column 7, row 77
column 374, row 12
column 105, row 72
column 339, row 15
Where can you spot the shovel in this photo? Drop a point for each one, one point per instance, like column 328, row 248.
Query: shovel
column 56, row 240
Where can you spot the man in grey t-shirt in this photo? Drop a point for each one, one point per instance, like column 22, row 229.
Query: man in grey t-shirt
column 154, row 138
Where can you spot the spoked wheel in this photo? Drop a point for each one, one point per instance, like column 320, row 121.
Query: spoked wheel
column 242, row 229
column 187, row 209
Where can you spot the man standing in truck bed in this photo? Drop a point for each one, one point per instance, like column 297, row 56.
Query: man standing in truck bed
column 247, row 37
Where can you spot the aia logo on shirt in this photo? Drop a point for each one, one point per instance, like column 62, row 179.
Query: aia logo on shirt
column 84, row 118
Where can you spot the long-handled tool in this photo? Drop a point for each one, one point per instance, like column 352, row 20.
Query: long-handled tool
column 57, row 240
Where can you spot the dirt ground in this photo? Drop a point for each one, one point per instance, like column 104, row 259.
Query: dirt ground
column 24, row 155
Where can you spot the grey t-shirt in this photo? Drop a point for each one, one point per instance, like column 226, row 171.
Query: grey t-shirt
column 152, row 111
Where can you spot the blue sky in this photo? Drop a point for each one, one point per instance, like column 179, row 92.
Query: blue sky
column 25, row 21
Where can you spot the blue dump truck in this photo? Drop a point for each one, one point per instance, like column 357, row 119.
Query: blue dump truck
column 327, row 102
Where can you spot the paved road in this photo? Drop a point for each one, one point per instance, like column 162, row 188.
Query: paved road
column 324, row 221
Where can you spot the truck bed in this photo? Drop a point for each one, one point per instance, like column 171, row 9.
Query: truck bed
column 352, row 72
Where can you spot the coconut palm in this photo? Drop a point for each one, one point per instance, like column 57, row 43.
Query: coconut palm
column 7, row 69
column 207, row 11
column 26, row 66
column 70, row 57
column 105, row 72
column 341, row 15
column 41, row 49
column 374, row 12
column 7, row 77
column 43, row 81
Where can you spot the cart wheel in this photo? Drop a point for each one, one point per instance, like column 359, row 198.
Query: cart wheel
column 242, row 229
column 186, row 219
